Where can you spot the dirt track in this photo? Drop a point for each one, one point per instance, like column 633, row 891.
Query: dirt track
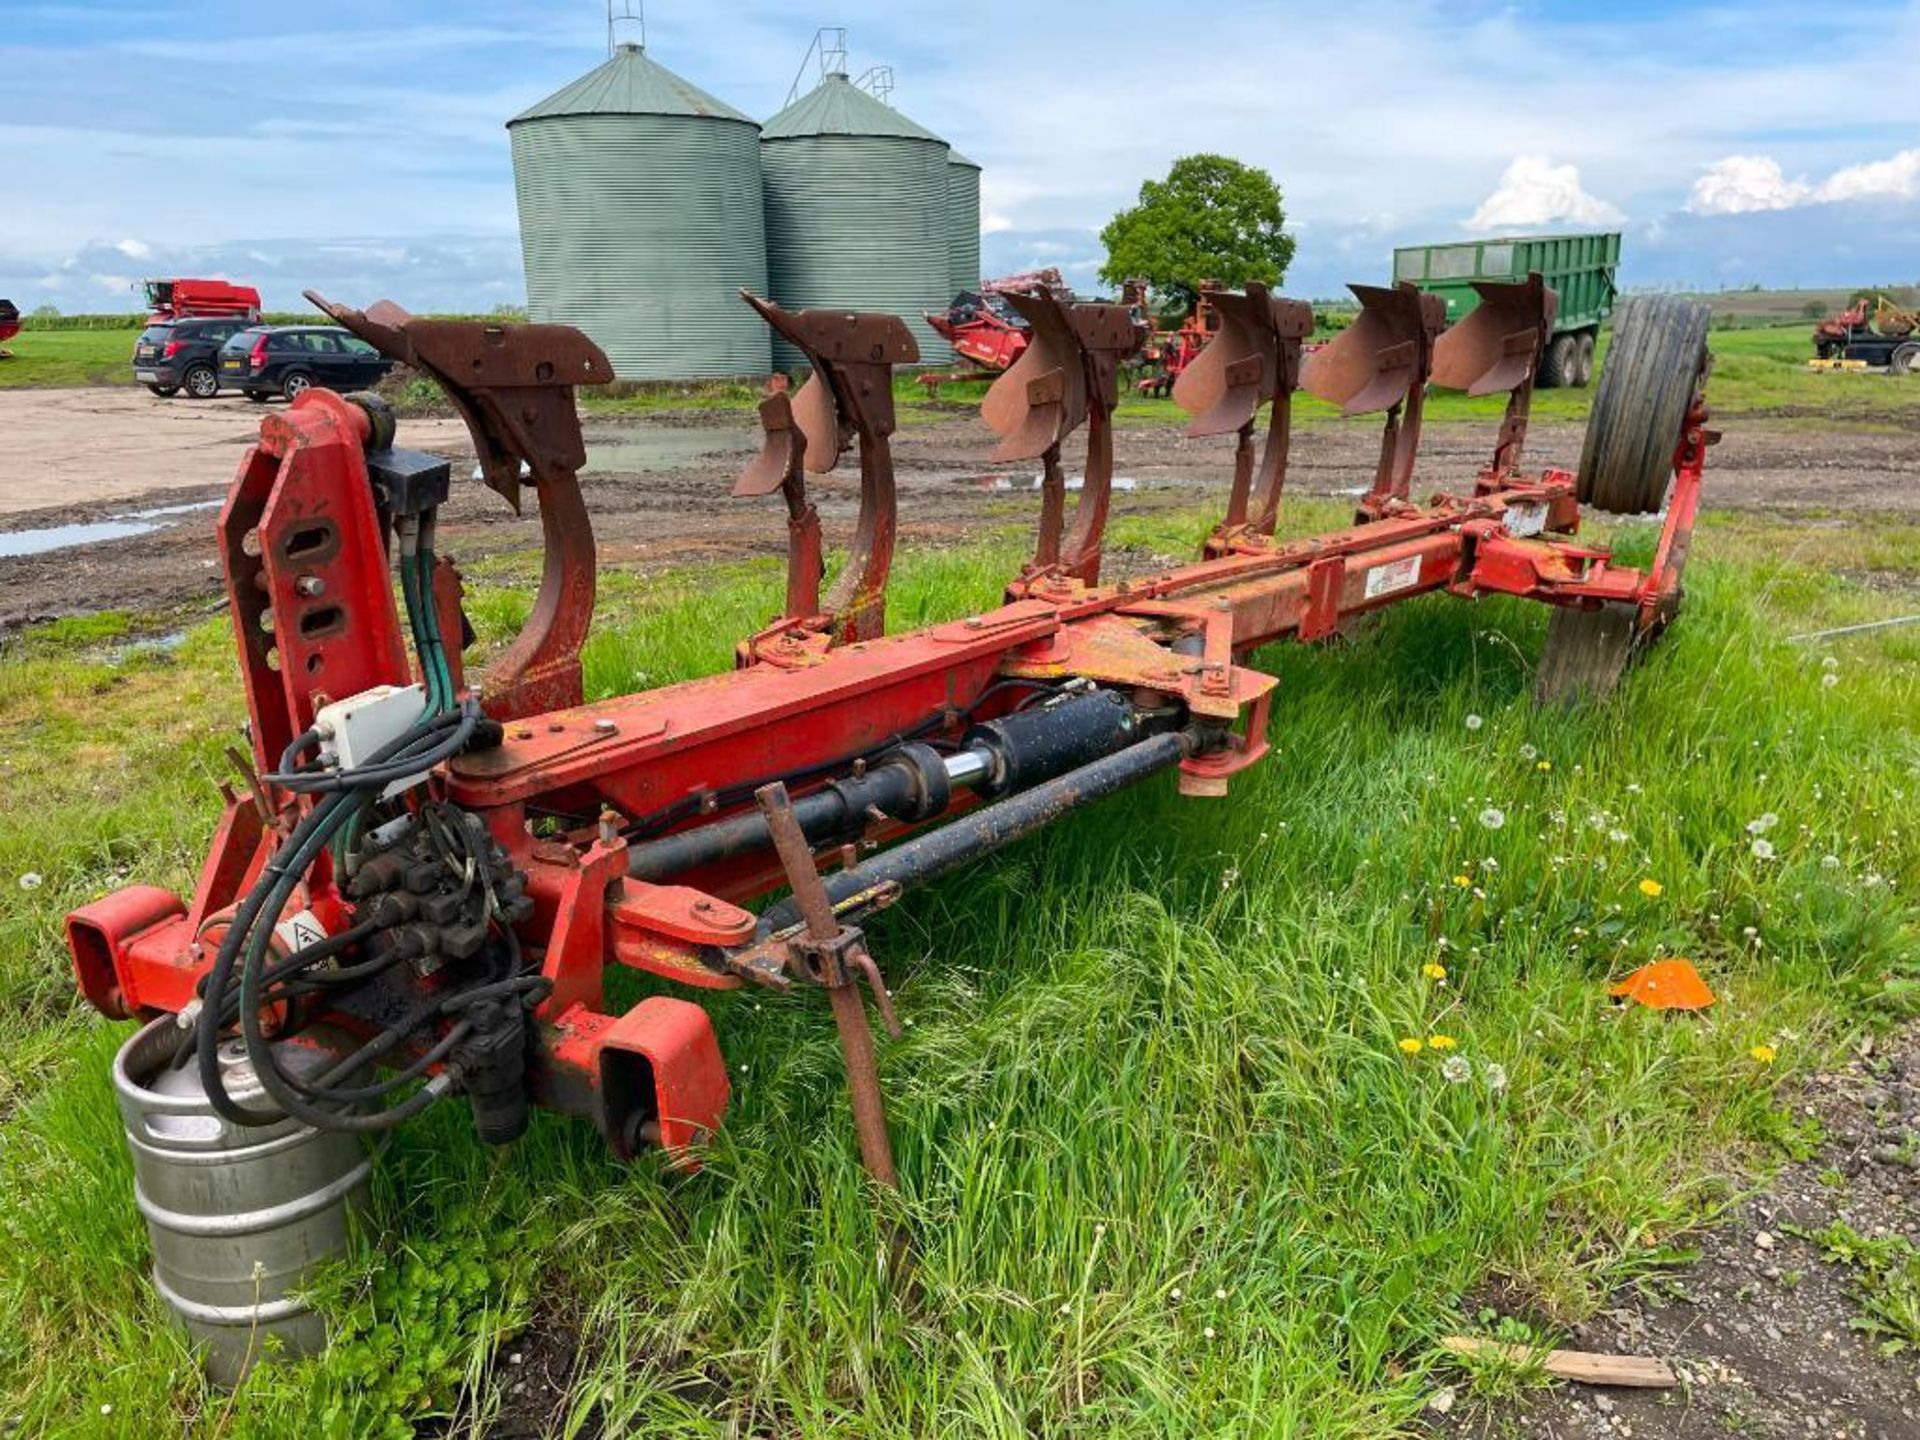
column 658, row 486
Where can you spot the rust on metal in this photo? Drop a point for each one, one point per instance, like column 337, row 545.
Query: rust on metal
column 1380, row 362
column 513, row 385
column 850, row 391
column 1497, row 348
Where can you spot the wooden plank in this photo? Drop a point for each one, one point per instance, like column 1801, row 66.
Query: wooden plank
column 1585, row 1366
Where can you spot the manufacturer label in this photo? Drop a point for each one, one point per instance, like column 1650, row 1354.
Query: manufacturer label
column 1526, row 517
column 300, row 930
column 1395, row 575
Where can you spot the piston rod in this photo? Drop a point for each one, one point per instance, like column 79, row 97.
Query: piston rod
column 990, row 828
column 913, row 783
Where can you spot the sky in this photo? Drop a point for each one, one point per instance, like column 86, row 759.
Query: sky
column 359, row 146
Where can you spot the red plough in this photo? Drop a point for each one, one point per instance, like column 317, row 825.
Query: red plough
column 429, row 877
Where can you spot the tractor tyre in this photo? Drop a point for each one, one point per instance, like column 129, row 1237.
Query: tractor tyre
column 1654, row 369
column 1905, row 359
column 165, row 392
column 1585, row 655
column 1586, row 348
column 1557, row 366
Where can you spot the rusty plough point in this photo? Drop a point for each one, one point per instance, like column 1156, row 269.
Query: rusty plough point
column 780, row 465
column 1498, row 348
column 1068, row 375
column 1252, row 359
column 513, row 385
column 851, row 389
column 1380, row 362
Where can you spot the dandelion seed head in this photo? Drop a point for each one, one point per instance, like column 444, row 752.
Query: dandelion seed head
column 1829, row 680
column 1829, row 862
column 1763, row 849
column 1457, row 1070
column 32, row 880
column 1493, row 817
column 1495, row 1075
column 1474, row 722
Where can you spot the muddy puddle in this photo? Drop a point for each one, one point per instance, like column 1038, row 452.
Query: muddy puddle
column 635, row 449
column 39, row 541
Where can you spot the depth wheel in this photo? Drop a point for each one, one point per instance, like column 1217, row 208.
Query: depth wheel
column 1585, row 655
column 1557, row 366
column 1654, row 368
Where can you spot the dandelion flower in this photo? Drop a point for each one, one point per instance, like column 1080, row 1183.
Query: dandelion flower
column 1651, row 888
column 1463, row 881
column 1442, row 1042
column 1411, row 1045
column 1764, row 1054
column 1474, row 722
column 1434, row 971
column 1220, row 1294
column 1543, row 766
column 1763, row 849
column 1493, row 817
column 1495, row 1075
column 1457, row 1070
column 1208, row 1332
column 1174, row 1293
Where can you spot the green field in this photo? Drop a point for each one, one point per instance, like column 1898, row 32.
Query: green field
column 1759, row 373
column 45, row 358
column 1167, row 1167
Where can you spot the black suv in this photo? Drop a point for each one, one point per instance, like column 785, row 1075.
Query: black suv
column 175, row 355
column 286, row 359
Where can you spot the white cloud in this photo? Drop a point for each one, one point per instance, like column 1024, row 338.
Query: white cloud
column 1897, row 178
column 1535, row 191
column 1740, row 184
column 992, row 223
column 135, row 249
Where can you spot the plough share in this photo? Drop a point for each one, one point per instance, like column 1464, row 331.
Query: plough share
column 426, row 879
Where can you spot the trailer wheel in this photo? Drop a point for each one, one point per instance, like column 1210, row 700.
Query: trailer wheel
column 1656, row 364
column 1905, row 360
column 1586, row 358
column 1557, row 365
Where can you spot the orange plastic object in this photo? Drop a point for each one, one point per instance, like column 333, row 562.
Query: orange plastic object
column 1666, row 985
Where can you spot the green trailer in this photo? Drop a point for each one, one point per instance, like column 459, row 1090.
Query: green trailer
column 1579, row 268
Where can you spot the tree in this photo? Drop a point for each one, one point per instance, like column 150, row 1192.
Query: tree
column 1212, row 218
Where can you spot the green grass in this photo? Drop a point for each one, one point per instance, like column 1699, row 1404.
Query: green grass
column 1758, row 373
column 46, row 358
column 1167, row 1168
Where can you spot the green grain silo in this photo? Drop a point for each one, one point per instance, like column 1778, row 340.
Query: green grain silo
column 856, row 206
column 963, row 222
column 641, row 220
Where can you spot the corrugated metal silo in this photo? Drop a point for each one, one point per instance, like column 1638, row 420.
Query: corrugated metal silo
column 641, row 219
column 856, row 198
column 963, row 221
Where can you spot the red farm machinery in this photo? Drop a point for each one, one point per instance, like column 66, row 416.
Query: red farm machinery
column 184, row 299
column 425, row 876
column 9, row 325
